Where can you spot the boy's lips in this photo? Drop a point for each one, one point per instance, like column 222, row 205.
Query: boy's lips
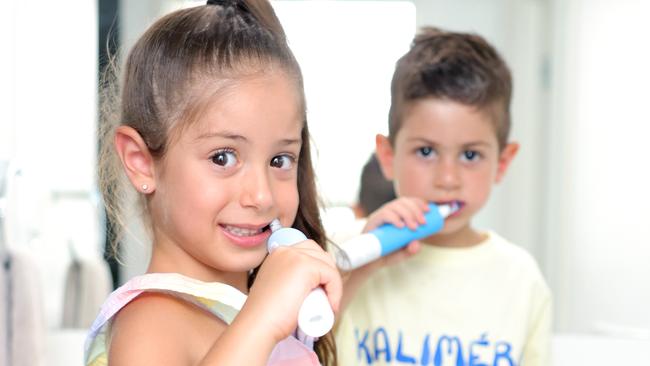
column 454, row 203
column 246, row 236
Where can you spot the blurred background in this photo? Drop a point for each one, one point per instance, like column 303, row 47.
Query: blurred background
column 576, row 196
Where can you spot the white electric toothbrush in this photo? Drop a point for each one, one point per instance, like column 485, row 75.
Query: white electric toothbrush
column 315, row 317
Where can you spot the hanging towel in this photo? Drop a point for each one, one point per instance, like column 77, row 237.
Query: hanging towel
column 4, row 310
column 25, row 322
column 87, row 284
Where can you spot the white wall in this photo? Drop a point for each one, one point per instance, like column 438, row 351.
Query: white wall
column 597, row 225
column 347, row 70
column 7, row 84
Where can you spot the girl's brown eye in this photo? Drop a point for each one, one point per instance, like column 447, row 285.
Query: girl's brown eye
column 282, row 162
column 224, row 158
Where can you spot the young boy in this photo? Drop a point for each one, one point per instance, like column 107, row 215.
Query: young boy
column 467, row 297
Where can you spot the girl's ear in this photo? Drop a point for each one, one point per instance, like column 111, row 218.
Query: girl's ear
column 136, row 159
column 505, row 158
column 385, row 155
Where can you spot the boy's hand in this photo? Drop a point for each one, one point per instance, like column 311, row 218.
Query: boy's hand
column 403, row 211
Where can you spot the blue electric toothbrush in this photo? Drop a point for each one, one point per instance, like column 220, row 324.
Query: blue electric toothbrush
column 315, row 317
column 388, row 238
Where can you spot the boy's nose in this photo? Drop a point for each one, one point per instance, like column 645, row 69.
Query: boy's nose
column 447, row 175
column 256, row 190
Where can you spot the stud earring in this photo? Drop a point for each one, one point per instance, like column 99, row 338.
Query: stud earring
column 145, row 187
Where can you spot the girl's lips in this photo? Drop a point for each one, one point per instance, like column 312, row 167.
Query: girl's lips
column 246, row 237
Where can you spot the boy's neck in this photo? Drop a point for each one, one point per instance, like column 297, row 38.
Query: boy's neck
column 463, row 238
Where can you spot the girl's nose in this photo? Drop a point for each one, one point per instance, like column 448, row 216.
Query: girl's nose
column 256, row 190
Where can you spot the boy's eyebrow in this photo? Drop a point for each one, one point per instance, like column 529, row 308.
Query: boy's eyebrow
column 420, row 139
column 468, row 144
column 477, row 143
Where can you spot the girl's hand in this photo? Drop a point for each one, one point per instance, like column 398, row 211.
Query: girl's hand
column 286, row 277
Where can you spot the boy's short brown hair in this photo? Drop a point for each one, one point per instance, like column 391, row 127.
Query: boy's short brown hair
column 460, row 67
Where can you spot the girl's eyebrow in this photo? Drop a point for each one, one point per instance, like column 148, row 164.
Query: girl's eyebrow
column 291, row 141
column 224, row 135
column 234, row 136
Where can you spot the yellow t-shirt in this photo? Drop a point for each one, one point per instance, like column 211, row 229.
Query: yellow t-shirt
column 483, row 305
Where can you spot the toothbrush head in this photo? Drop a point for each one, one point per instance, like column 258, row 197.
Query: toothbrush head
column 275, row 225
column 448, row 208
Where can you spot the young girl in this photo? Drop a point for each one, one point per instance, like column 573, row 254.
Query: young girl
column 214, row 138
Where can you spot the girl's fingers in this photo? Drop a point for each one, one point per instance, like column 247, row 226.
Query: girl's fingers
column 333, row 285
column 330, row 278
column 309, row 247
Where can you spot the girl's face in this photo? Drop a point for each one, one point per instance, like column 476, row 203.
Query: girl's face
column 225, row 178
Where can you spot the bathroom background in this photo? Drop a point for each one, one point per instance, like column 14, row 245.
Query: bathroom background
column 576, row 196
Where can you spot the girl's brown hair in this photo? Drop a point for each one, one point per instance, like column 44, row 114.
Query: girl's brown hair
column 164, row 88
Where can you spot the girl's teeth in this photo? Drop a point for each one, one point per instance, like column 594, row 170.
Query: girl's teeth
column 241, row 231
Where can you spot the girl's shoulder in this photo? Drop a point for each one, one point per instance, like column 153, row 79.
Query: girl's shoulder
column 161, row 316
column 163, row 327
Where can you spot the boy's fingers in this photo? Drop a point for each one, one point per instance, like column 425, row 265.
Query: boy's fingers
column 388, row 216
column 424, row 205
column 413, row 247
column 402, row 254
column 419, row 208
column 410, row 214
column 395, row 258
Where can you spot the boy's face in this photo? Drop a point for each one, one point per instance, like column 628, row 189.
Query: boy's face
column 445, row 152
